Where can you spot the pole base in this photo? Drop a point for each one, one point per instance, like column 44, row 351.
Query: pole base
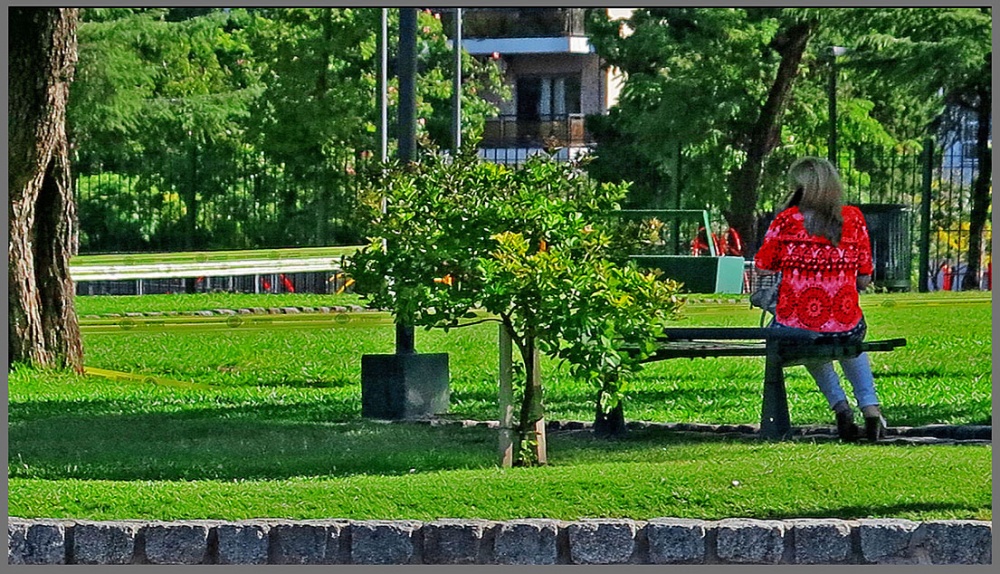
column 404, row 386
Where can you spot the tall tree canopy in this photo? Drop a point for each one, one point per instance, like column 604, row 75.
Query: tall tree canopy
column 714, row 80
column 189, row 93
column 161, row 89
column 319, row 112
column 947, row 56
column 743, row 90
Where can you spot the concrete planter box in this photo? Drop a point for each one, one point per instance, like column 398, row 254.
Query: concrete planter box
column 403, row 386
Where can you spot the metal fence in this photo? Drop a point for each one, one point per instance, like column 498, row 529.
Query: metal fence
column 244, row 202
column 898, row 190
column 198, row 200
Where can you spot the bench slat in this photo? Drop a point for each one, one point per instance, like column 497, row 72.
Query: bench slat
column 678, row 349
column 779, row 347
column 733, row 333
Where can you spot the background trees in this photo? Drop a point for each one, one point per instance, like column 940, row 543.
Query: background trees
column 164, row 99
column 714, row 81
column 944, row 56
column 739, row 92
column 243, row 128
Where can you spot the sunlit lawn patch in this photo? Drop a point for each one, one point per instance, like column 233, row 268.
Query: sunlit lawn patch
column 278, row 432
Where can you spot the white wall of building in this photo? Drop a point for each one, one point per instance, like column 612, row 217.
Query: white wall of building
column 599, row 89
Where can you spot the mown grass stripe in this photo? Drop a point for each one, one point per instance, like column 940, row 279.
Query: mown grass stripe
column 139, row 378
column 279, row 433
column 187, row 323
column 867, row 301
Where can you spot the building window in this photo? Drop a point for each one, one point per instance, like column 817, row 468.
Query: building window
column 544, row 98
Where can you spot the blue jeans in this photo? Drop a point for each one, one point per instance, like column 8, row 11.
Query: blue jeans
column 858, row 370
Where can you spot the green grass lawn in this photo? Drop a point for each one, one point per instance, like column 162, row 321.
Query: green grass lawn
column 276, row 431
column 104, row 304
column 941, row 376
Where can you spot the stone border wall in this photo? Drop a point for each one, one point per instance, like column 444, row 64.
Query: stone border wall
column 534, row 541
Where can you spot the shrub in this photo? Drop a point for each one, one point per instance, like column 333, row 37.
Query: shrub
column 529, row 245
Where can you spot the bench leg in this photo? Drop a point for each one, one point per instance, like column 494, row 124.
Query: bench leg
column 775, row 423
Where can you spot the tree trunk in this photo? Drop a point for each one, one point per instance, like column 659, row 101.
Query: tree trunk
column 981, row 189
column 531, row 426
column 609, row 423
column 42, row 325
column 791, row 44
column 190, row 199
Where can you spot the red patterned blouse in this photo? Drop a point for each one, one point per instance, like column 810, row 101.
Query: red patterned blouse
column 818, row 288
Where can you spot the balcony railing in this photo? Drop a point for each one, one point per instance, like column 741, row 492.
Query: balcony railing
column 519, row 22
column 547, row 131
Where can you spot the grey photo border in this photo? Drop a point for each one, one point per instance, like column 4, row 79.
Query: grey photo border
column 452, row 3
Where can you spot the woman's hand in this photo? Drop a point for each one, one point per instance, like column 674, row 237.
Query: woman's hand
column 863, row 282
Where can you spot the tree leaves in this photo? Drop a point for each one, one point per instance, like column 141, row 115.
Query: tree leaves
column 528, row 244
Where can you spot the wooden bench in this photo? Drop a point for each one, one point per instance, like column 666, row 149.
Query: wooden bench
column 780, row 349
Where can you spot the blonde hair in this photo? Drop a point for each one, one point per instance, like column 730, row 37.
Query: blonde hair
column 814, row 186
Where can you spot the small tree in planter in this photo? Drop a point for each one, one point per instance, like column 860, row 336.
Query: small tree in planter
column 530, row 245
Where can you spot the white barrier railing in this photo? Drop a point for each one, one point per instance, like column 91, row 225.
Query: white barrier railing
column 203, row 269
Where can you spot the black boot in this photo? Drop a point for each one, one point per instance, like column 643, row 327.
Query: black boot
column 846, row 429
column 874, row 428
column 875, row 424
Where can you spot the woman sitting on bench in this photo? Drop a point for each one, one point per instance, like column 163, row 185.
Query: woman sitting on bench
column 822, row 249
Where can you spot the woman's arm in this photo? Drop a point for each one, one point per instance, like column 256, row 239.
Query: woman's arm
column 767, row 260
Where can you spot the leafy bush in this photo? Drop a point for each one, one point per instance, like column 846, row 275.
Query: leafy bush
column 528, row 244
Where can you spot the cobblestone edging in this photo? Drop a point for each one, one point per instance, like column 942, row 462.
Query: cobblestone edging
column 353, row 308
column 242, row 311
column 534, row 541
column 928, row 434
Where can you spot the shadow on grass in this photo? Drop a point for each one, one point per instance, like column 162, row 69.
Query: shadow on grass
column 922, row 414
column 263, row 437
column 321, row 408
column 239, row 442
column 96, row 441
column 338, row 383
column 233, row 443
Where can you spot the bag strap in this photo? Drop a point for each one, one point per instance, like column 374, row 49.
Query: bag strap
column 763, row 310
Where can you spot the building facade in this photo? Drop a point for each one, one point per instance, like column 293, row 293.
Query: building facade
column 555, row 77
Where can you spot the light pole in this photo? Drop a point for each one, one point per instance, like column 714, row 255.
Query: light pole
column 407, row 150
column 457, row 84
column 831, row 142
column 383, row 86
column 405, row 384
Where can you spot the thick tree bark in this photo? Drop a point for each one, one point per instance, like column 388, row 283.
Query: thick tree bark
column 42, row 323
column 981, row 189
column 791, row 44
